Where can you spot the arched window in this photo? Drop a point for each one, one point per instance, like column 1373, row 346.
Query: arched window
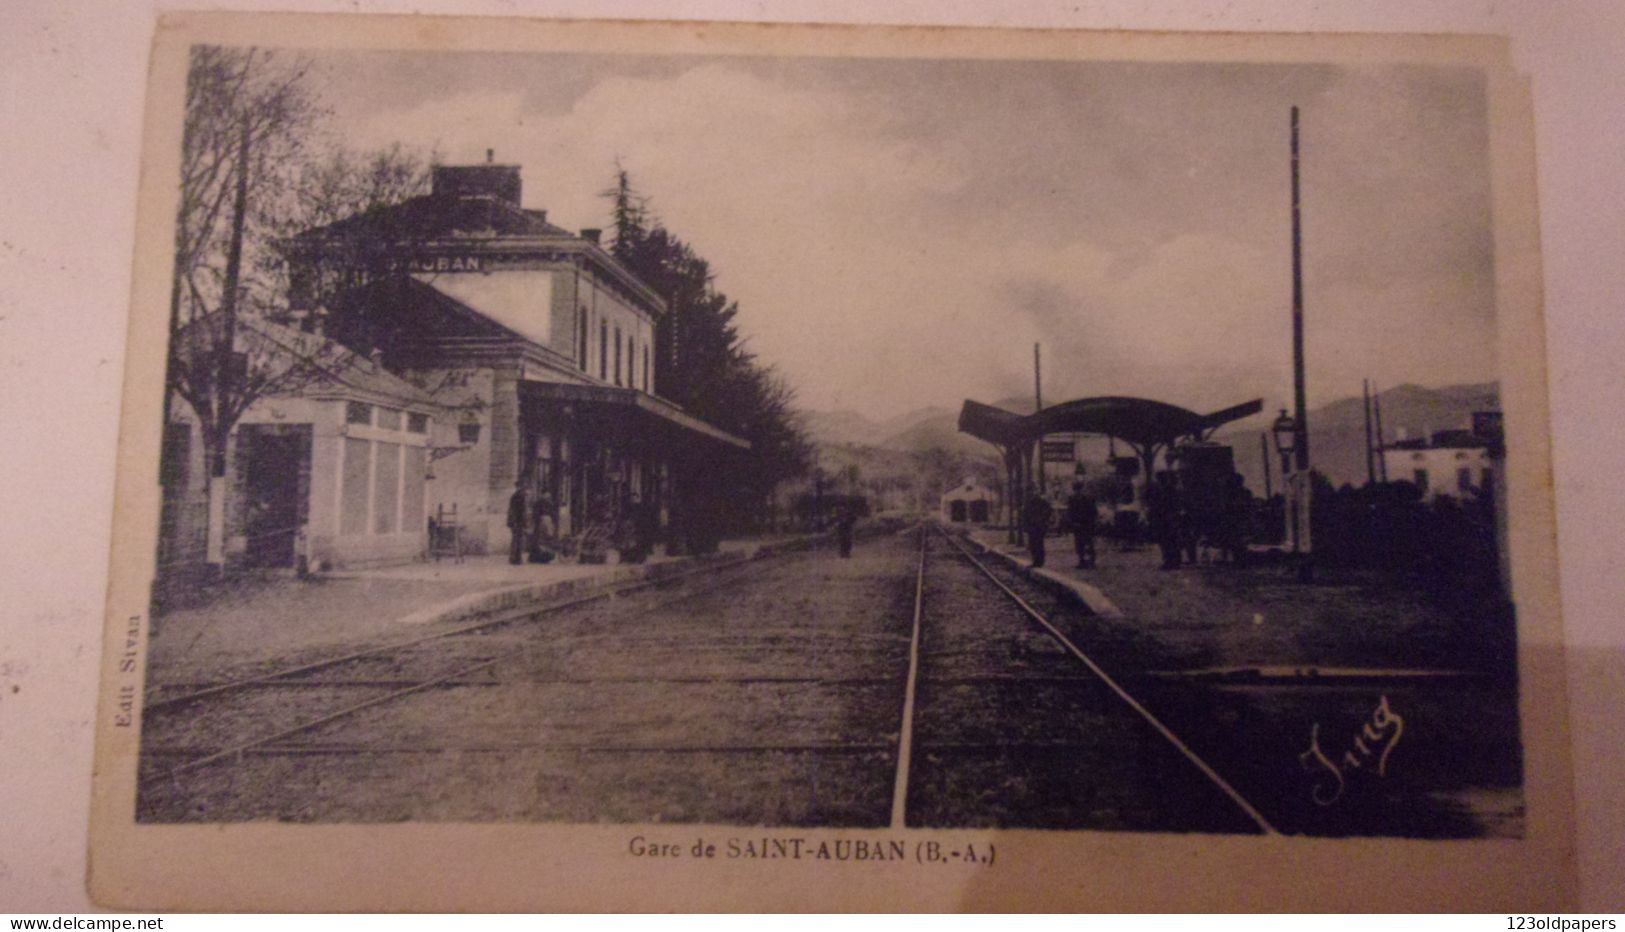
column 617, row 355
column 631, row 361
column 648, row 386
column 603, row 349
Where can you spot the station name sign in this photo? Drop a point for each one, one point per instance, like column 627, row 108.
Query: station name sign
column 1059, row 451
column 438, row 263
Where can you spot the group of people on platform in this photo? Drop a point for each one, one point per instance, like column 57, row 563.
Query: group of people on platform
column 533, row 528
column 1178, row 521
column 1079, row 519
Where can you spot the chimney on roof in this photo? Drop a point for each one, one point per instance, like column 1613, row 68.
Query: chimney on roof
column 489, row 180
column 592, row 234
column 377, row 357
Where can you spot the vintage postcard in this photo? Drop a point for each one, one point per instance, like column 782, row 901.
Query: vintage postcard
column 696, row 466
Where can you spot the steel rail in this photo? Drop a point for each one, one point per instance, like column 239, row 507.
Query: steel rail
column 508, row 618
column 591, row 680
column 273, row 750
column 905, row 734
column 1167, row 733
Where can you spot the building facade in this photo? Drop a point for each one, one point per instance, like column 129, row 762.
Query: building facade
column 1458, row 463
column 327, row 471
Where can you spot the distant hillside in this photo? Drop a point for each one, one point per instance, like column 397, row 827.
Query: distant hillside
column 1337, row 430
column 838, row 427
column 924, row 450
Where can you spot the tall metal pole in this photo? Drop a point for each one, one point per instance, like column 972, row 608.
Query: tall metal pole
column 1370, row 460
column 1038, row 405
column 1264, row 452
column 1376, row 408
column 1301, row 414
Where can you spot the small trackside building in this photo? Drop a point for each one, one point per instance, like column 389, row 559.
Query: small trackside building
column 968, row 503
column 327, row 471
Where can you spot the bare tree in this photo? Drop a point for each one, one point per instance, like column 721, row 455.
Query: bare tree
column 249, row 177
column 337, row 184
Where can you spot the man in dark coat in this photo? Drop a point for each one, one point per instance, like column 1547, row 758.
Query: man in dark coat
column 645, row 520
column 845, row 518
column 1080, row 520
column 518, row 519
column 1035, row 520
column 1162, row 514
column 542, row 531
column 1233, row 519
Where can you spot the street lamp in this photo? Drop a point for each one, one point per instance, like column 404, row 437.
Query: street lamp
column 1285, row 431
column 1288, row 434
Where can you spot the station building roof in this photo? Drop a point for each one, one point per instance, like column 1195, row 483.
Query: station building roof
column 439, row 216
column 472, row 212
column 291, row 362
column 1139, row 421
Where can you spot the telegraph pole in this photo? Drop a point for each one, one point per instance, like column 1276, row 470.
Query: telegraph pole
column 1300, row 415
column 1038, row 405
column 1370, row 454
column 1264, row 452
column 1376, row 408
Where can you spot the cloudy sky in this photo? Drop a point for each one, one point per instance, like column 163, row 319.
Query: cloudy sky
column 900, row 232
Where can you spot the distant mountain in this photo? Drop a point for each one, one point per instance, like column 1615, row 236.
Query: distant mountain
column 1337, row 430
column 899, row 447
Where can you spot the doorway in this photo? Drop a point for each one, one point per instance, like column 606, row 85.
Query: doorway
column 276, row 490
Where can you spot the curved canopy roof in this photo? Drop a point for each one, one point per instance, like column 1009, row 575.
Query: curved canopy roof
column 1139, row 421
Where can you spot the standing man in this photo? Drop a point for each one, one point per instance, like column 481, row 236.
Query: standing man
column 844, row 520
column 1162, row 513
column 1080, row 519
column 1234, row 518
column 542, row 540
column 645, row 527
column 518, row 518
column 1035, row 520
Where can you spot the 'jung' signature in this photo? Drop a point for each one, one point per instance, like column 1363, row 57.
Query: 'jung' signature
column 1374, row 741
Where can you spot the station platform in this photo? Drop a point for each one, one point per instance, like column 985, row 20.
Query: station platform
column 500, row 585
column 1255, row 617
column 1056, row 569
column 255, row 621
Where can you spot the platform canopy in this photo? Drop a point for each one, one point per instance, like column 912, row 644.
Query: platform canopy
column 621, row 410
column 1139, row 421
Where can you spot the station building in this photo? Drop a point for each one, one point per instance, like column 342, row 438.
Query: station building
column 537, row 344
column 515, row 354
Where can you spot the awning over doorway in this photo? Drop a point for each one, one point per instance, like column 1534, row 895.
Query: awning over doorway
column 628, row 404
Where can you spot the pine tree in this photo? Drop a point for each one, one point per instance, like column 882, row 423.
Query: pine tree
column 703, row 364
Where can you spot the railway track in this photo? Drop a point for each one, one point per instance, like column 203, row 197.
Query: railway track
column 976, row 616
column 915, row 685
column 384, row 689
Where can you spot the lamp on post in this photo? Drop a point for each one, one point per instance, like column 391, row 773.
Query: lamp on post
column 468, row 429
column 468, row 436
column 1285, row 432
